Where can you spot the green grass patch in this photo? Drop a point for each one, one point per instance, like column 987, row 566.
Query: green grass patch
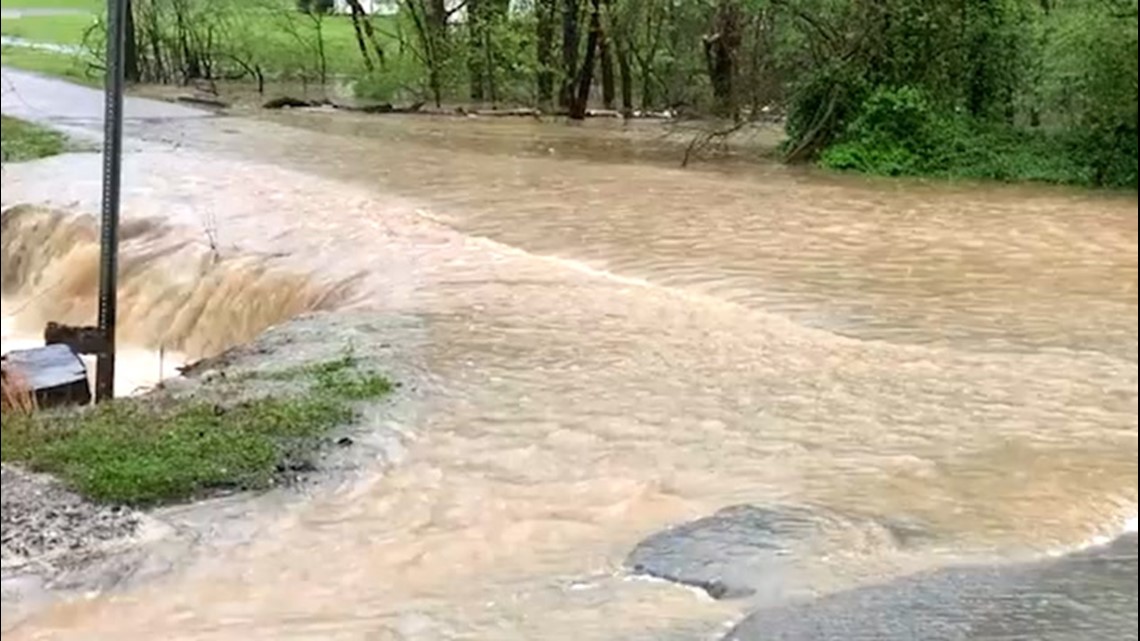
column 21, row 140
column 239, row 38
column 282, row 42
column 75, row 68
column 287, row 41
column 274, row 34
column 337, row 377
column 61, row 29
column 150, row 450
column 88, row 5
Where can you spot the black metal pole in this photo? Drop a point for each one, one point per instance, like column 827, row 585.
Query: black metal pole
column 112, row 175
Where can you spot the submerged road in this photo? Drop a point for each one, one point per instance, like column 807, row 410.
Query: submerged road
column 618, row 348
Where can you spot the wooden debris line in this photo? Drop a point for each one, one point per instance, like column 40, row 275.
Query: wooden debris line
column 288, row 102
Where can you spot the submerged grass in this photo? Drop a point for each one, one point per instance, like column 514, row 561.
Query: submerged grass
column 149, row 450
column 21, row 140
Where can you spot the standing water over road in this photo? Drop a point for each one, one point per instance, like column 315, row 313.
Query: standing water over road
column 610, row 348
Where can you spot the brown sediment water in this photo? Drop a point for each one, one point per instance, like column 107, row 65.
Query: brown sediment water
column 616, row 345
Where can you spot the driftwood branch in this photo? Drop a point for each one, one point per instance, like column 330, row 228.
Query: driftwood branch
column 705, row 139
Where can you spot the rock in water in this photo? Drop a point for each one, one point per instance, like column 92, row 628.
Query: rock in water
column 743, row 549
column 54, row 373
column 1086, row 596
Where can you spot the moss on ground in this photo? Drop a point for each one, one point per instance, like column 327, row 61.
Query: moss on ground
column 160, row 449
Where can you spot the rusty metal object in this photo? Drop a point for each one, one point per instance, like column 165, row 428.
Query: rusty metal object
column 54, row 375
column 81, row 339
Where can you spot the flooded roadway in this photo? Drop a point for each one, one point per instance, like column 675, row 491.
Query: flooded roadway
column 609, row 347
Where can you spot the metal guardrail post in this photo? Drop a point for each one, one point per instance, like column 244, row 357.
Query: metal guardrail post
column 112, row 176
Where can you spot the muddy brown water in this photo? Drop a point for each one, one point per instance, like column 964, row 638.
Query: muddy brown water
column 610, row 345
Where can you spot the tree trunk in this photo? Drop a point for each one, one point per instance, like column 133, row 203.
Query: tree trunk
column 191, row 69
column 476, row 47
column 544, row 48
column 586, row 77
column 131, row 47
column 360, row 20
column 607, row 70
column 626, row 73
column 431, row 41
column 720, row 56
column 618, row 37
column 569, row 51
column 359, row 32
column 437, row 17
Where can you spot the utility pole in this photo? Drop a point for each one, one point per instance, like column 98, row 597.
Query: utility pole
column 112, row 179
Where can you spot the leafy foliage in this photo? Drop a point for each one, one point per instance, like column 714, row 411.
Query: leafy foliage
column 901, row 132
column 1023, row 76
column 1002, row 89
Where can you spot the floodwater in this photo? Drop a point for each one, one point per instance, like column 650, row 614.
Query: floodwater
column 610, row 345
column 140, row 369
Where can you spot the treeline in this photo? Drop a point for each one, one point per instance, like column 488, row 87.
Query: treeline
column 1005, row 89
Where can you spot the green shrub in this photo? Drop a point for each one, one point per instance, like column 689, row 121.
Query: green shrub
column 900, row 132
column 895, row 133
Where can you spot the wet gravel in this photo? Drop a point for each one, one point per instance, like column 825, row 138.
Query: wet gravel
column 1090, row 595
column 43, row 519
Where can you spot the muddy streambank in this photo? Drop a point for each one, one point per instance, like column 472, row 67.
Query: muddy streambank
column 57, row 545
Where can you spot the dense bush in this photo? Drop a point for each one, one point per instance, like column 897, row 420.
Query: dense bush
column 897, row 132
column 1031, row 95
column 900, row 132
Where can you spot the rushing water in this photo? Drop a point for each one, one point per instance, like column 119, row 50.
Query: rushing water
column 139, row 369
column 612, row 344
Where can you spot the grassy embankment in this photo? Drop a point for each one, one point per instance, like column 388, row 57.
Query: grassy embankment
column 70, row 67
column 161, row 448
column 64, row 30
column 26, row 141
column 90, row 5
column 282, row 43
